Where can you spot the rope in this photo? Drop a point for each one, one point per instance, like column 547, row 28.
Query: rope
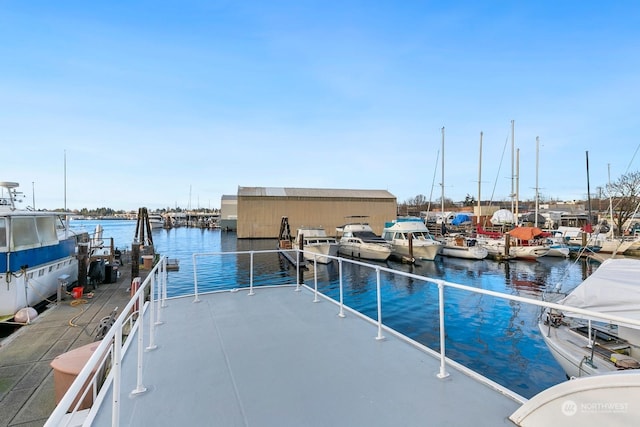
column 74, row 303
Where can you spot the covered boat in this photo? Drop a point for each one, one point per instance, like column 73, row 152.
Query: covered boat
column 503, row 217
column 586, row 344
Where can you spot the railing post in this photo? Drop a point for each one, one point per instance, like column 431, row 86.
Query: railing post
column 379, row 298
column 315, row 279
column 161, row 282
column 251, row 274
column 116, row 361
column 152, row 309
column 341, row 312
column 442, row 373
column 298, row 270
column 164, row 286
column 195, row 280
column 140, row 388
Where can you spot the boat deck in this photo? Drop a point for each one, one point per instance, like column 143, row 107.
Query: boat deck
column 276, row 358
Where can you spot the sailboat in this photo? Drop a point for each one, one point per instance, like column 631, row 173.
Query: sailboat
column 520, row 242
column 557, row 247
column 458, row 245
column 584, row 345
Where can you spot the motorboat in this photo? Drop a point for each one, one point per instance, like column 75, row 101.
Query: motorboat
column 557, row 246
column 587, row 345
column 38, row 254
column 156, row 221
column 359, row 241
column 578, row 238
column 460, row 246
column 519, row 243
column 410, row 238
column 316, row 244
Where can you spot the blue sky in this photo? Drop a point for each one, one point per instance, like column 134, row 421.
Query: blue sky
column 164, row 104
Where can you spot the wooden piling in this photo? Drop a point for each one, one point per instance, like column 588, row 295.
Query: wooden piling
column 83, row 264
column 135, row 259
column 507, row 244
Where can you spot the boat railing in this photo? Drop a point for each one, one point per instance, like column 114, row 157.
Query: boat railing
column 110, row 352
column 103, row 369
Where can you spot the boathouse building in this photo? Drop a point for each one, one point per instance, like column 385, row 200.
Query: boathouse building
column 260, row 209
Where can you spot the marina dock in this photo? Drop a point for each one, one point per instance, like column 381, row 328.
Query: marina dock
column 27, row 395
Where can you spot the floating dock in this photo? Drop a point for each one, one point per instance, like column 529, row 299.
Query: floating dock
column 27, row 395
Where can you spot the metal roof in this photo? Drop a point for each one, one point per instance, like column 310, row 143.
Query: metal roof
column 314, row 192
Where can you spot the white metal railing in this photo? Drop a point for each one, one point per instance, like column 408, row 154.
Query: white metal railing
column 109, row 354
column 441, row 285
column 156, row 281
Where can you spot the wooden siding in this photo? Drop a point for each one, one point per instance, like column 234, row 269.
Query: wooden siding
column 259, row 217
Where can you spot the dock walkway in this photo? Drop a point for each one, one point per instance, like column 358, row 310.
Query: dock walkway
column 26, row 379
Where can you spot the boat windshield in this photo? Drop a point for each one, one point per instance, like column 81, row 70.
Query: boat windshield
column 3, row 233
column 420, row 236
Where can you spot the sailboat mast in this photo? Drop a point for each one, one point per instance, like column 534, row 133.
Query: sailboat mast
column 537, row 165
column 512, row 165
column 65, row 180
column 610, row 199
column 517, row 184
column 480, row 181
column 442, row 183
column 433, row 182
column 588, row 193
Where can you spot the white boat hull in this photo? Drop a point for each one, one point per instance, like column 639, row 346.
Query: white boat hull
column 370, row 251
column 558, row 251
column 465, row 252
column 35, row 285
column 316, row 245
column 496, row 248
column 528, row 252
column 427, row 252
column 571, row 352
column 320, row 253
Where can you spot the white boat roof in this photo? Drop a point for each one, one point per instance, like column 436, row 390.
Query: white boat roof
column 407, row 224
column 612, row 289
column 277, row 358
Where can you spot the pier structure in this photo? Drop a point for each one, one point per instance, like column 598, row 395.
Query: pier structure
column 27, row 389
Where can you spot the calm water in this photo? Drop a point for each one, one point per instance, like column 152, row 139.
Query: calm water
column 499, row 339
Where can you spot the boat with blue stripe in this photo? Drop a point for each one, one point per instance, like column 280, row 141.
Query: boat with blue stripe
column 37, row 254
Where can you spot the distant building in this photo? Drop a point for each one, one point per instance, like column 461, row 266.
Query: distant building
column 260, row 209
column 229, row 213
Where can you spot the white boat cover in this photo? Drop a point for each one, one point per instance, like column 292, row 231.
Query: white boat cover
column 502, row 216
column 614, row 288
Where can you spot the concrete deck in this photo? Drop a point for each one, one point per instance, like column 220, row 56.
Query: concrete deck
column 26, row 379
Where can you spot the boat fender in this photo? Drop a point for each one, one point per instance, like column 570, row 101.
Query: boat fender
column 135, row 284
column 25, row 315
